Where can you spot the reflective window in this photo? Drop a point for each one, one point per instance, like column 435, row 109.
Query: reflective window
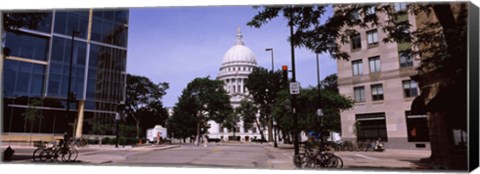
column 67, row 21
column 372, row 37
column 59, row 67
column 105, row 79
column 23, row 78
column 357, row 66
column 409, row 88
column 371, row 126
column 38, row 21
column 377, row 92
column 371, row 10
column 400, row 6
column 356, row 42
column 109, row 26
column 374, row 64
column 27, row 46
column 405, row 59
column 417, row 128
column 359, row 93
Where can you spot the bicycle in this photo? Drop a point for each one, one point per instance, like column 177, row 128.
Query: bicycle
column 311, row 159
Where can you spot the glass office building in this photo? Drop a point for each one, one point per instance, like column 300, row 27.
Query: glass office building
column 37, row 69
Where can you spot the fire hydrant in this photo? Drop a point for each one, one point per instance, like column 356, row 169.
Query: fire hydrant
column 8, row 153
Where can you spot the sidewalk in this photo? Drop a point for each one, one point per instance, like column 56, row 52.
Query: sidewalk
column 92, row 154
column 389, row 159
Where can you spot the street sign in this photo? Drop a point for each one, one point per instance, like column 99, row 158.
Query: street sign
column 294, row 88
column 319, row 112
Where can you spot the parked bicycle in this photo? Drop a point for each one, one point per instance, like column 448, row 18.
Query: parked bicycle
column 313, row 157
column 57, row 153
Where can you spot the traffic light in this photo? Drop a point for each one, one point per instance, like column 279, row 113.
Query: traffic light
column 285, row 75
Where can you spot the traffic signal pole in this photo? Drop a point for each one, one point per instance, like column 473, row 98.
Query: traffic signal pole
column 294, row 97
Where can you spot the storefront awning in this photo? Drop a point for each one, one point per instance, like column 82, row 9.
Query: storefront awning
column 418, row 106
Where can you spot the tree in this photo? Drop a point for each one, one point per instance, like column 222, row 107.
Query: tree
column 32, row 114
column 440, row 41
column 205, row 100
column 264, row 85
column 144, row 101
column 248, row 112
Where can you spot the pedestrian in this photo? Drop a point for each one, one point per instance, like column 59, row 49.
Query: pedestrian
column 158, row 137
column 205, row 141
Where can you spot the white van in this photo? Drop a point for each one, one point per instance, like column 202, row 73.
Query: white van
column 153, row 132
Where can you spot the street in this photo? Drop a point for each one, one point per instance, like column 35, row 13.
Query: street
column 227, row 155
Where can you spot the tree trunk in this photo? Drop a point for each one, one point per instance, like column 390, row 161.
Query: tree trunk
column 270, row 130
column 261, row 132
column 197, row 138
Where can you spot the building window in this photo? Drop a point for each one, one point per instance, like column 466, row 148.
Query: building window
column 405, row 59
column 377, row 92
column 417, row 128
column 400, row 6
column 355, row 16
column 372, row 37
column 23, row 78
column 356, row 42
column 374, row 63
column 370, row 11
column 109, row 27
column 67, row 21
column 27, row 46
column 359, row 94
column 254, row 130
column 357, row 66
column 409, row 88
column 371, row 127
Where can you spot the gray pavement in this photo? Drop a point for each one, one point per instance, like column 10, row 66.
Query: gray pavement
column 397, row 159
column 231, row 155
column 92, row 154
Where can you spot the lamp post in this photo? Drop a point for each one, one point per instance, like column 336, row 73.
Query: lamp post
column 294, row 97
column 117, row 122
column 69, row 92
column 275, row 134
column 272, row 121
column 271, row 50
column 319, row 110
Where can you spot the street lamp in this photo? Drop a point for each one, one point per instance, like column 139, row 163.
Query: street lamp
column 271, row 50
column 69, row 92
column 275, row 131
column 117, row 122
column 319, row 110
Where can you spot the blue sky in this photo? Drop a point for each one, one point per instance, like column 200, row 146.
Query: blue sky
column 178, row 44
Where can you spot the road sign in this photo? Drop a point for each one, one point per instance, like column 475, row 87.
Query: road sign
column 294, row 88
column 319, row 112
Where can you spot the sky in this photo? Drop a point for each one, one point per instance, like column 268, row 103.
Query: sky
column 178, row 44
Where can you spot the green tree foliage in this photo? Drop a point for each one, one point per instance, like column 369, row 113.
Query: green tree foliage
column 263, row 85
column 442, row 43
column 143, row 105
column 14, row 21
column 32, row 113
column 248, row 113
column 331, row 102
column 203, row 99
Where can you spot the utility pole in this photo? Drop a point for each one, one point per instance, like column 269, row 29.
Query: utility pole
column 69, row 92
column 294, row 97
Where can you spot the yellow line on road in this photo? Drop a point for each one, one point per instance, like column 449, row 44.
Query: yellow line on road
column 216, row 149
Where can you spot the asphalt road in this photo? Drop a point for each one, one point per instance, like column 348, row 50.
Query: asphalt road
column 228, row 155
column 215, row 155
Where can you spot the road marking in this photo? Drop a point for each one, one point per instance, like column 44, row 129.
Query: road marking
column 216, row 149
column 366, row 157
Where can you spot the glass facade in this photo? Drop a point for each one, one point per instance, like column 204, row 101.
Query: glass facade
column 38, row 67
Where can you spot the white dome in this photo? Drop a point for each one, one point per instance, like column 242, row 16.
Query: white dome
column 239, row 53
